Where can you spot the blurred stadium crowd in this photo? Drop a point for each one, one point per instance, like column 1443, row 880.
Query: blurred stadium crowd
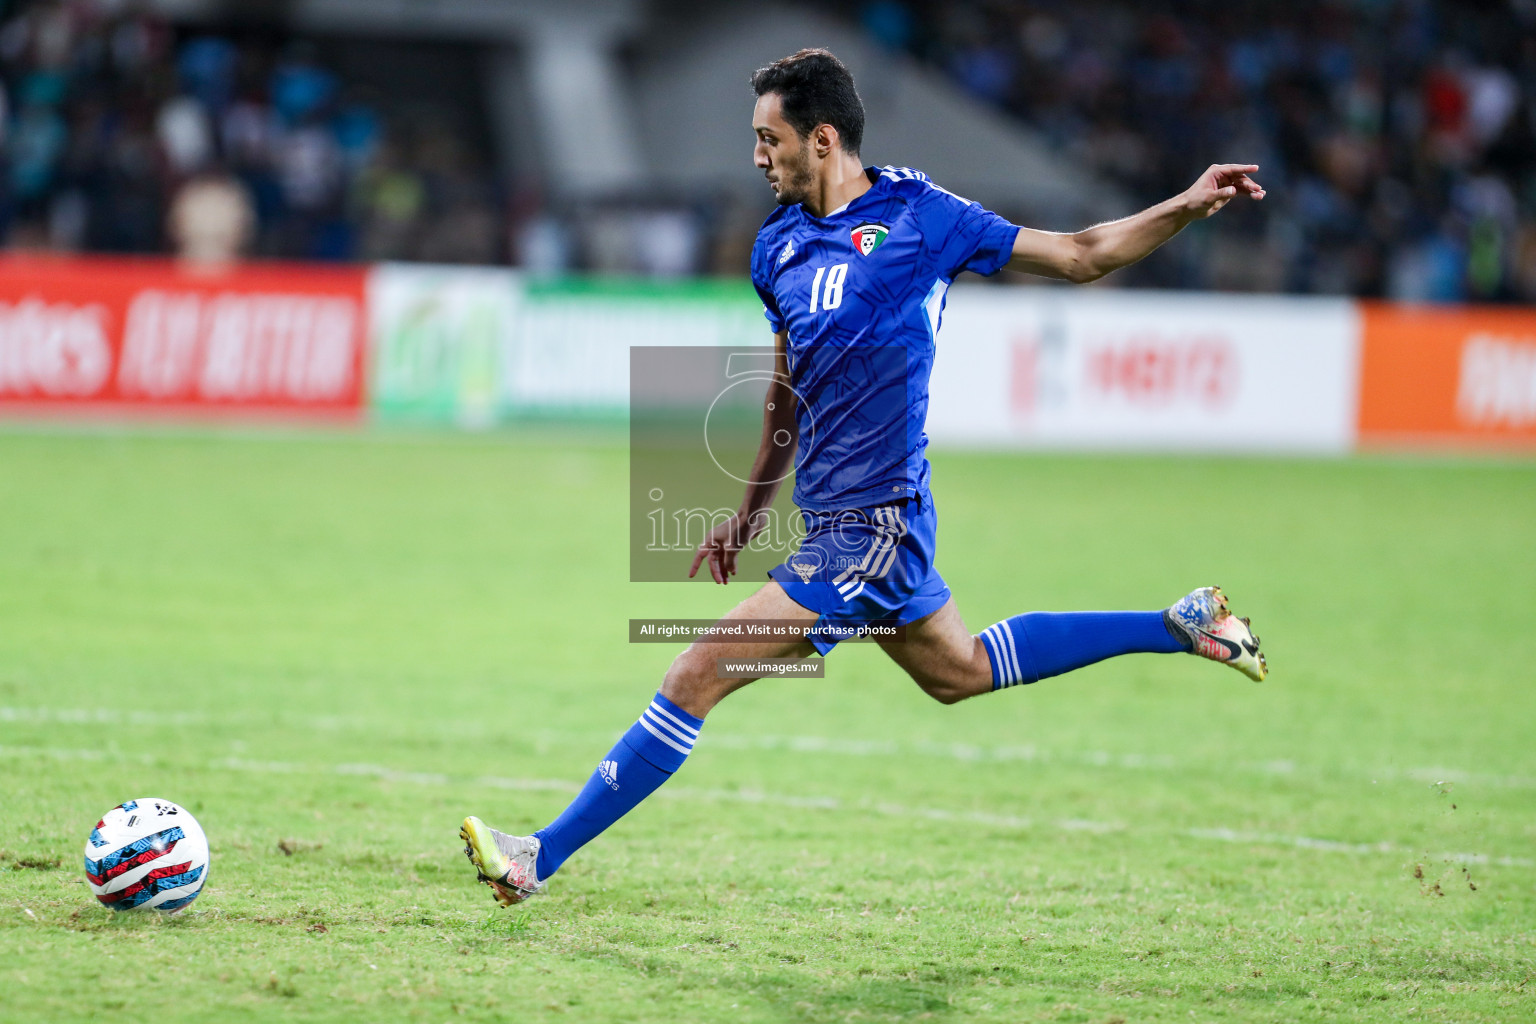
column 1397, row 137
column 112, row 114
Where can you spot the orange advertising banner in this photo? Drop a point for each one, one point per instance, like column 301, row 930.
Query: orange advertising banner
column 139, row 335
column 1463, row 376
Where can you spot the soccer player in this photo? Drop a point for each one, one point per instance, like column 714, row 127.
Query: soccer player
column 852, row 268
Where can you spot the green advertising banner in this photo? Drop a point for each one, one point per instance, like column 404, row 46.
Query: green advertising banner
column 439, row 341
column 475, row 347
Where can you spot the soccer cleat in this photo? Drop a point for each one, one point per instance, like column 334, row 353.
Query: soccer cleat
column 505, row 863
column 1207, row 626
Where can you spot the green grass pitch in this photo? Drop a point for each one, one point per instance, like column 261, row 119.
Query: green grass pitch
column 333, row 648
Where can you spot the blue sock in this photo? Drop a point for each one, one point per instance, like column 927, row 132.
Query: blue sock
column 646, row 756
column 1028, row 648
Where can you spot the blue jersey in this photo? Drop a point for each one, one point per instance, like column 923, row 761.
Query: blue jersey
column 860, row 293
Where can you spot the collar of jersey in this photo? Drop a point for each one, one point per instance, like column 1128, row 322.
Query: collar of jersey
column 874, row 186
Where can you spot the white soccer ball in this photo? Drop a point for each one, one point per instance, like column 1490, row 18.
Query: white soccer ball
column 147, row 854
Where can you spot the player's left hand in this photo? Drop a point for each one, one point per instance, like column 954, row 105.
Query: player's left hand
column 1219, row 185
column 722, row 545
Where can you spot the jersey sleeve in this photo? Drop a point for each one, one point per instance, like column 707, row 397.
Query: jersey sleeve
column 763, row 282
column 964, row 235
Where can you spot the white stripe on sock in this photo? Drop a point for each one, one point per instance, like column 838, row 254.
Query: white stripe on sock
column 986, row 638
column 669, row 729
column 669, row 742
column 1010, row 676
column 1013, row 652
column 683, row 726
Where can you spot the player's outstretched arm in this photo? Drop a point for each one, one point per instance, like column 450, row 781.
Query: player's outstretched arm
column 775, row 456
column 1089, row 254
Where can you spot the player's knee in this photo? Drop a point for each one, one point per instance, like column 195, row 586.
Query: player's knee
column 951, row 682
column 944, row 689
column 691, row 675
column 948, row 695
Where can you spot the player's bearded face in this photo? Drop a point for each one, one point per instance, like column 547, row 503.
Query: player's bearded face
column 795, row 176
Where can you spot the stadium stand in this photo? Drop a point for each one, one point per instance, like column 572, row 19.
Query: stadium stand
column 113, row 111
column 1397, row 137
column 1399, row 147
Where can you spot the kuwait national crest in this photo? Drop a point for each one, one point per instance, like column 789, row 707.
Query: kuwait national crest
column 867, row 237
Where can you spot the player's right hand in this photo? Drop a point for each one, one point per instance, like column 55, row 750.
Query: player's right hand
column 721, row 546
column 1219, row 185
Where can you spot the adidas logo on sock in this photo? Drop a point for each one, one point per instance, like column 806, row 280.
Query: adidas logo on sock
column 609, row 770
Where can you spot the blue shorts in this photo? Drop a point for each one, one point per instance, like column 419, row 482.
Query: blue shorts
column 858, row 566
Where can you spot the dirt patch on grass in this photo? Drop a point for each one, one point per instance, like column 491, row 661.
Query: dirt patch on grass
column 36, row 863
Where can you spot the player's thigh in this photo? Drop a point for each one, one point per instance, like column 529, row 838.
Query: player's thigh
column 694, row 682
column 942, row 656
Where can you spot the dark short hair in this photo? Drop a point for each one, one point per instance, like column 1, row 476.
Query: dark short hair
column 815, row 88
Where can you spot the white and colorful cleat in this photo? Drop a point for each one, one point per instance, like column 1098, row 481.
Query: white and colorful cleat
column 508, row 864
column 1207, row 626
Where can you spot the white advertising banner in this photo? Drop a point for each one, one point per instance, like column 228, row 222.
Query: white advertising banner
column 1069, row 368
column 1017, row 366
column 571, row 344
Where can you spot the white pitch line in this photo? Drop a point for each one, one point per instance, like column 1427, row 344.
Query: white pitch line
column 1031, row 754
column 1227, row 835
column 758, row 797
column 1026, row 753
column 104, row 716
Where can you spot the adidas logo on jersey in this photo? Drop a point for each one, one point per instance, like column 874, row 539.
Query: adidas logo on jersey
column 867, row 237
column 786, row 252
column 609, row 770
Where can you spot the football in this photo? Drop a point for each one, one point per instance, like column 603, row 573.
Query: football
column 147, row 854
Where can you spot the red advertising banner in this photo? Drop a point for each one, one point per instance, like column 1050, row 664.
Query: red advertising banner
column 125, row 335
